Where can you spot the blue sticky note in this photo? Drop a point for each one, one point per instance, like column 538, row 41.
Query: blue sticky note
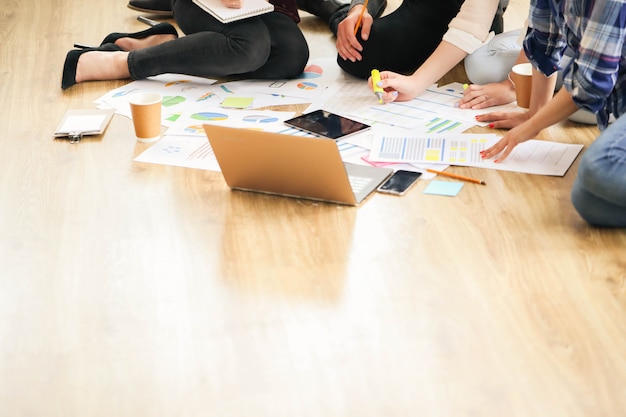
column 447, row 188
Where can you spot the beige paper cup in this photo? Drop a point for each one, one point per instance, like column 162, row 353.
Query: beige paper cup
column 145, row 109
column 521, row 76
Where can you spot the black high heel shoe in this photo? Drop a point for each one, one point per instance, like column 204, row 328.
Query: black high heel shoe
column 159, row 7
column 71, row 62
column 162, row 28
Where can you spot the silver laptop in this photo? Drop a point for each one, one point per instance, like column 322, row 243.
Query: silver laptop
column 291, row 166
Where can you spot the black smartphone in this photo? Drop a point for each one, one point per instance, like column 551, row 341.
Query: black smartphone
column 399, row 182
column 326, row 124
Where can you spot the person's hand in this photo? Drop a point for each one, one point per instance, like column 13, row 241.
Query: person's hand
column 397, row 87
column 478, row 96
column 503, row 120
column 348, row 46
column 233, row 4
column 510, row 140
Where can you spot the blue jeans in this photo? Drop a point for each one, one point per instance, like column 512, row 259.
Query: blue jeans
column 599, row 192
column 270, row 46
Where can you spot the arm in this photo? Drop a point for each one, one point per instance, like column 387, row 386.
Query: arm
column 478, row 96
column 557, row 109
column 440, row 62
column 542, row 90
column 467, row 32
column 407, row 87
column 348, row 46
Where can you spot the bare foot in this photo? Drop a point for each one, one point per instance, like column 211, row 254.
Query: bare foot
column 100, row 66
column 131, row 44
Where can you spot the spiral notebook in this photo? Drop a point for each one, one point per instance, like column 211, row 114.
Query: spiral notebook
column 226, row 14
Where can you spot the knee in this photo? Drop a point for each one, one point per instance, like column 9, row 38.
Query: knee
column 581, row 200
column 591, row 169
column 356, row 69
column 296, row 58
column 584, row 194
column 593, row 186
column 493, row 61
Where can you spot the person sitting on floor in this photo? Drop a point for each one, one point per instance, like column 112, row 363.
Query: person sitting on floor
column 594, row 80
column 268, row 46
column 325, row 9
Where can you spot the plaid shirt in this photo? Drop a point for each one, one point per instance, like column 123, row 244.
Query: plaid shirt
column 595, row 31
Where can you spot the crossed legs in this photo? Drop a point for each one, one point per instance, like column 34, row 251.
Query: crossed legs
column 599, row 191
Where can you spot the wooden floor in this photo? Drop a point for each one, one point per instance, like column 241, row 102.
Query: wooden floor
column 134, row 290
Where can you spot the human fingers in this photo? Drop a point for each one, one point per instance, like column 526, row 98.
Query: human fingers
column 471, row 91
column 233, row 4
column 366, row 25
column 503, row 120
column 389, row 94
column 348, row 47
column 472, row 95
column 509, row 141
column 482, row 96
column 500, row 150
column 400, row 87
column 476, row 102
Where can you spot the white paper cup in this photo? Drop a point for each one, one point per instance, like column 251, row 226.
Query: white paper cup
column 146, row 113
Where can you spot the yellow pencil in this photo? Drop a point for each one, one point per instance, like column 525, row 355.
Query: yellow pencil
column 458, row 177
column 358, row 22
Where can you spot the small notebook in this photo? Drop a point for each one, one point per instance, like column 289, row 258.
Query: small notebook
column 225, row 14
column 76, row 123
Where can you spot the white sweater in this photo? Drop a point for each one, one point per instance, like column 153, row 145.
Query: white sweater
column 469, row 30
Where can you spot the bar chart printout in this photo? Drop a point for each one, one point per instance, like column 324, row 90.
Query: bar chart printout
column 533, row 156
column 457, row 149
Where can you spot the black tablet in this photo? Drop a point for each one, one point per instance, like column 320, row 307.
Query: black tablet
column 327, row 124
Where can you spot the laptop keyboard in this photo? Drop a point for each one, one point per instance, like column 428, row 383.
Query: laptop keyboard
column 358, row 183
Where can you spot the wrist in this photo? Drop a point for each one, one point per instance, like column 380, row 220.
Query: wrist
column 356, row 9
column 508, row 84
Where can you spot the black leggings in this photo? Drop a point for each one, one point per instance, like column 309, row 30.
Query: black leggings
column 404, row 39
column 270, row 46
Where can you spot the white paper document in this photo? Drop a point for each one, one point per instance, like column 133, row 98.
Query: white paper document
column 227, row 14
column 532, row 157
column 181, row 151
column 431, row 112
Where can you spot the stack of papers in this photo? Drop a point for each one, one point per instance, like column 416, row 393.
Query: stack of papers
column 426, row 132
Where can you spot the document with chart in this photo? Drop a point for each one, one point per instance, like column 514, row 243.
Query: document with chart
column 533, row 156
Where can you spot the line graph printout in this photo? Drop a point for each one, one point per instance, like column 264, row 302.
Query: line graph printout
column 444, row 125
column 354, row 99
column 401, row 114
column 444, row 100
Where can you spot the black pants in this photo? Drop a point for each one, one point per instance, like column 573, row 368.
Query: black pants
column 270, row 46
column 404, row 39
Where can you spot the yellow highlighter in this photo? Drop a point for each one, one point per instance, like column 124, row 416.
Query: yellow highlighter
column 377, row 89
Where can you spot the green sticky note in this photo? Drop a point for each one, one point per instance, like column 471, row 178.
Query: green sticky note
column 237, row 102
column 446, row 188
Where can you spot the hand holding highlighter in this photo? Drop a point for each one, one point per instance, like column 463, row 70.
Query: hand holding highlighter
column 377, row 89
